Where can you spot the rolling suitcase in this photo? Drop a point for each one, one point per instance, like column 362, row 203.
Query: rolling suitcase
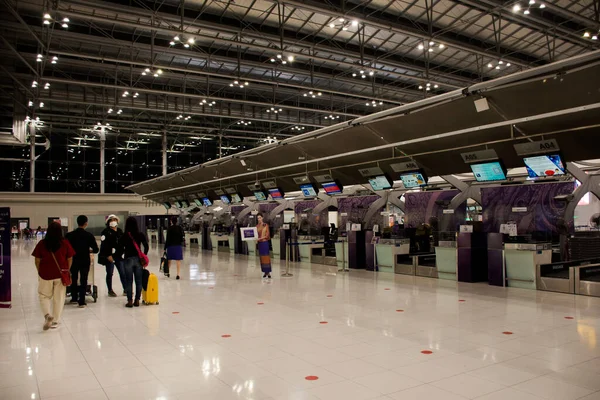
column 164, row 265
column 150, row 288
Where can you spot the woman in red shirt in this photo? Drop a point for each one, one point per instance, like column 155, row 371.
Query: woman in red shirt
column 52, row 254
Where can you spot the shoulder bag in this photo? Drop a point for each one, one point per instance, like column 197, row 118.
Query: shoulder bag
column 144, row 260
column 65, row 274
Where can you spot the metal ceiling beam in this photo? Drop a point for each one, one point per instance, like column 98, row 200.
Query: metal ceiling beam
column 194, row 28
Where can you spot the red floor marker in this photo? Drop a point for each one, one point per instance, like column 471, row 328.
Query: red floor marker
column 427, row 352
column 225, row 336
column 211, row 287
column 399, row 310
column 311, row 378
column 507, row 333
column 260, row 304
column 323, row 322
column 329, row 295
column 462, row 301
column 569, row 318
column 387, row 288
column 175, row 312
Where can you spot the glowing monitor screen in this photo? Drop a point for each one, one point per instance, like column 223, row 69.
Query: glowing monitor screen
column 542, row 166
column 488, row 172
column 331, row 188
column 308, row 190
column 413, row 180
column 380, row 182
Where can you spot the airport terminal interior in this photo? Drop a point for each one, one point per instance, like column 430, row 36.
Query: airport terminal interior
column 300, row 200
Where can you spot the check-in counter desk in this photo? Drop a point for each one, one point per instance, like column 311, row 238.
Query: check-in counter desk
column 341, row 254
column 446, row 255
column 426, row 265
column 521, row 261
column 152, row 235
column 222, row 243
column 560, row 276
column 311, row 249
column 193, row 239
column 387, row 250
column 231, row 239
column 587, row 280
column 276, row 244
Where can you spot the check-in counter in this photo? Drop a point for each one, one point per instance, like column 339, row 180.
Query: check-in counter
column 251, row 244
column 223, row 243
column 318, row 256
column 521, row 261
column 587, row 280
column 426, row 265
column 341, row 254
column 387, row 250
column 404, row 264
column 193, row 238
column 446, row 255
column 152, row 235
column 560, row 276
column 231, row 239
column 214, row 241
column 276, row 243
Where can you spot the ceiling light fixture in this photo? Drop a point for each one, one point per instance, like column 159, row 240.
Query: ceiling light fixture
column 282, row 59
column 150, row 71
column 298, row 128
column 187, row 43
column 205, row 102
column 374, row 103
column 531, row 4
column 331, row 116
column 47, row 86
column 312, row 93
column 39, row 58
column 500, row 64
column 182, row 117
column 274, row 110
column 245, row 123
column 343, row 24
column 428, row 87
column 430, row 46
column 592, row 36
column 48, row 20
column 239, row 83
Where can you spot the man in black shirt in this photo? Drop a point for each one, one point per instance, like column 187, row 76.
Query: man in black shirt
column 83, row 243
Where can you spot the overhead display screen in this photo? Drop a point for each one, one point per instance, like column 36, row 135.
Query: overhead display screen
column 276, row 194
column 225, row 199
column 413, row 180
column 167, row 205
column 380, row 182
column 206, row 201
column 236, row 198
column 178, row 204
column 331, row 188
column 185, row 203
column 198, row 202
column 260, row 196
column 308, row 190
column 488, row 172
column 542, row 166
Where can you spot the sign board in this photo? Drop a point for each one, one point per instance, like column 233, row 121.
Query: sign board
column 466, row 228
column 230, row 190
column 544, row 146
column 303, row 215
column 355, row 228
column 509, row 229
column 448, row 211
column 269, row 184
column 249, row 234
column 5, row 258
column 219, row 192
column 286, row 227
column 375, row 228
column 201, row 195
column 479, row 156
column 343, row 214
column 254, row 188
column 299, row 180
column 405, row 166
column 323, row 178
column 368, row 172
column 519, row 209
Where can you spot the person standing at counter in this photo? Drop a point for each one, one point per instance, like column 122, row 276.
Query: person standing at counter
column 264, row 236
column 174, row 244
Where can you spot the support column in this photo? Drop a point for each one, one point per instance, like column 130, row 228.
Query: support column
column 31, row 159
column 102, row 162
column 164, row 153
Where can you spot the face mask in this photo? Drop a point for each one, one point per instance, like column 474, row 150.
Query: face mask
column 113, row 224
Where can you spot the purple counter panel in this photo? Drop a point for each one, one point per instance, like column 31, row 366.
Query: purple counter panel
column 495, row 259
column 5, row 258
column 464, row 268
column 369, row 251
column 356, row 250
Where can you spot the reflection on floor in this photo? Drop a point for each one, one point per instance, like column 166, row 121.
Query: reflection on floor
column 224, row 333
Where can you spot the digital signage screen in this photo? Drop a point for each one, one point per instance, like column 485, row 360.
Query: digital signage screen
column 185, row 203
column 198, row 202
column 276, row 194
column 206, row 201
column 260, row 196
column 543, row 166
column 308, row 190
column 413, row 180
column 380, row 182
column 225, row 199
column 236, row 198
column 332, row 188
column 178, row 204
column 489, row 172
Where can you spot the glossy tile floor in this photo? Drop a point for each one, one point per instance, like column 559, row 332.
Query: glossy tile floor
column 223, row 333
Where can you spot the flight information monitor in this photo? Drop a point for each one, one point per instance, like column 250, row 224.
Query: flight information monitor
column 380, row 182
column 206, row 201
column 331, row 188
column 308, row 190
column 236, row 198
column 198, row 202
column 225, row 199
column 167, row 205
column 542, row 166
column 178, row 204
column 413, row 180
column 185, row 203
column 260, row 196
column 276, row 194
column 489, row 172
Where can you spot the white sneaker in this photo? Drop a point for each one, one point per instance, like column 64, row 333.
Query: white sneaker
column 47, row 322
column 54, row 325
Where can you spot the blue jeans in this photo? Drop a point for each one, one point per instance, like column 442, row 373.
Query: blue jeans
column 110, row 268
column 133, row 272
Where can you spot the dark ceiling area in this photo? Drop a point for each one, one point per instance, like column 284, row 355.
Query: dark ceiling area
column 205, row 79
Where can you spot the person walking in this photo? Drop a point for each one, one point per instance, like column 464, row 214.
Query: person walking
column 84, row 243
column 52, row 254
column 127, row 249
column 264, row 251
column 108, row 247
column 174, row 244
